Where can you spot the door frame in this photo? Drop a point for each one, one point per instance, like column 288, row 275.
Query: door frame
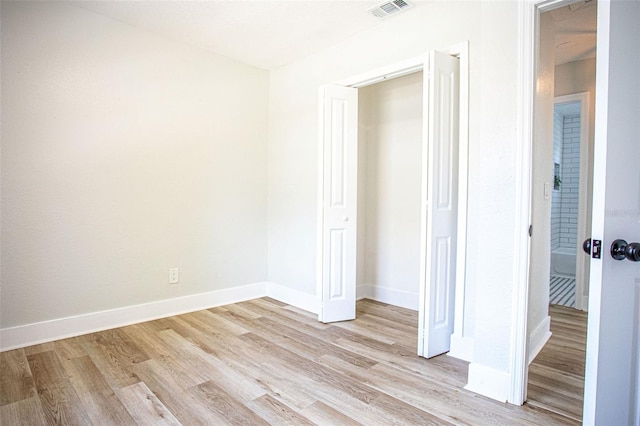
column 583, row 225
column 529, row 12
column 464, row 347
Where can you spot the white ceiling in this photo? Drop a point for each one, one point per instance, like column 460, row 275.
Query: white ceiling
column 265, row 34
column 268, row 34
column 575, row 31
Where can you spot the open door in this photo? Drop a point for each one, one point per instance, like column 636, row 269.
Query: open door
column 337, row 215
column 339, row 129
column 612, row 374
column 440, row 204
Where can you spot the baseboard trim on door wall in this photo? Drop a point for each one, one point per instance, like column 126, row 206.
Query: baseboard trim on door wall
column 539, row 338
column 403, row 299
column 47, row 331
column 488, row 381
column 461, row 348
column 62, row 328
column 293, row 297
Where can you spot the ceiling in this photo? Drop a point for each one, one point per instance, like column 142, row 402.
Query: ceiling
column 264, row 34
column 575, row 31
column 268, row 34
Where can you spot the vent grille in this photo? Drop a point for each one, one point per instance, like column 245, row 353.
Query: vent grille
column 388, row 8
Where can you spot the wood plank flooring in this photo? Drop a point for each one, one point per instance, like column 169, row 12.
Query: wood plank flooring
column 252, row 363
column 556, row 376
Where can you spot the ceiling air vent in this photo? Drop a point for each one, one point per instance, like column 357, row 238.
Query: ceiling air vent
column 388, row 8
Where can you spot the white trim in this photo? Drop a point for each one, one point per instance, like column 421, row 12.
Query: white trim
column 403, row 299
column 61, row 328
column 411, row 65
column 365, row 291
column 522, row 241
column 423, row 303
column 293, row 297
column 488, row 381
column 462, row 51
column 320, row 205
column 539, row 337
column 636, row 383
column 387, row 72
column 583, row 229
column 462, row 348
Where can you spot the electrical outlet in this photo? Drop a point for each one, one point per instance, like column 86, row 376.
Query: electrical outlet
column 174, row 276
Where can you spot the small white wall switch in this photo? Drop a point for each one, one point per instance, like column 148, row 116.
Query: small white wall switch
column 547, row 190
column 174, row 276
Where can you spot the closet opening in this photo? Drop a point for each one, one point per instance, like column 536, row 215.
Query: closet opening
column 389, row 191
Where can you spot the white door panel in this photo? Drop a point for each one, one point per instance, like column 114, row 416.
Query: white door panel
column 339, row 200
column 440, row 195
column 613, row 337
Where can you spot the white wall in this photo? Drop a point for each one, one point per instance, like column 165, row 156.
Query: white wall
column 123, row 154
column 389, row 190
column 542, row 187
column 491, row 28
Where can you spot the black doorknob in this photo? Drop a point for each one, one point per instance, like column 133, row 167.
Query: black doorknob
column 586, row 246
column 632, row 252
column 618, row 249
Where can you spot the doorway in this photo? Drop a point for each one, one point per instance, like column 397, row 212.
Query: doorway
column 443, row 183
column 389, row 191
column 570, row 212
column 561, row 196
column 611, row 386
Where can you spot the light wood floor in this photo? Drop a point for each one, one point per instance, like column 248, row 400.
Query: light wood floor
column 556, row 376
column 251, row 363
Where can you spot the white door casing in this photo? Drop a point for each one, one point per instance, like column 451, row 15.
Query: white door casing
column 612, row 394
column 440, row 204
column 339, row 111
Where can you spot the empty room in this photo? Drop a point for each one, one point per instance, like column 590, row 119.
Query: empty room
column 203, row 220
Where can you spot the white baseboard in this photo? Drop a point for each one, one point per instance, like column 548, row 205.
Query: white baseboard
column 461, row 348
column 585, row 303
column 488, row 381
column 539, row 338
column 47, row 331
column 403, row 299
column 364, row 291
column 62, row 328
column 293, row 297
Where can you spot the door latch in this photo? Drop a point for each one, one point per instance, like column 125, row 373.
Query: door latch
column 596, row 249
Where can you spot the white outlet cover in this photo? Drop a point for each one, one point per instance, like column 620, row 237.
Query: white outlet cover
column 174, row 276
